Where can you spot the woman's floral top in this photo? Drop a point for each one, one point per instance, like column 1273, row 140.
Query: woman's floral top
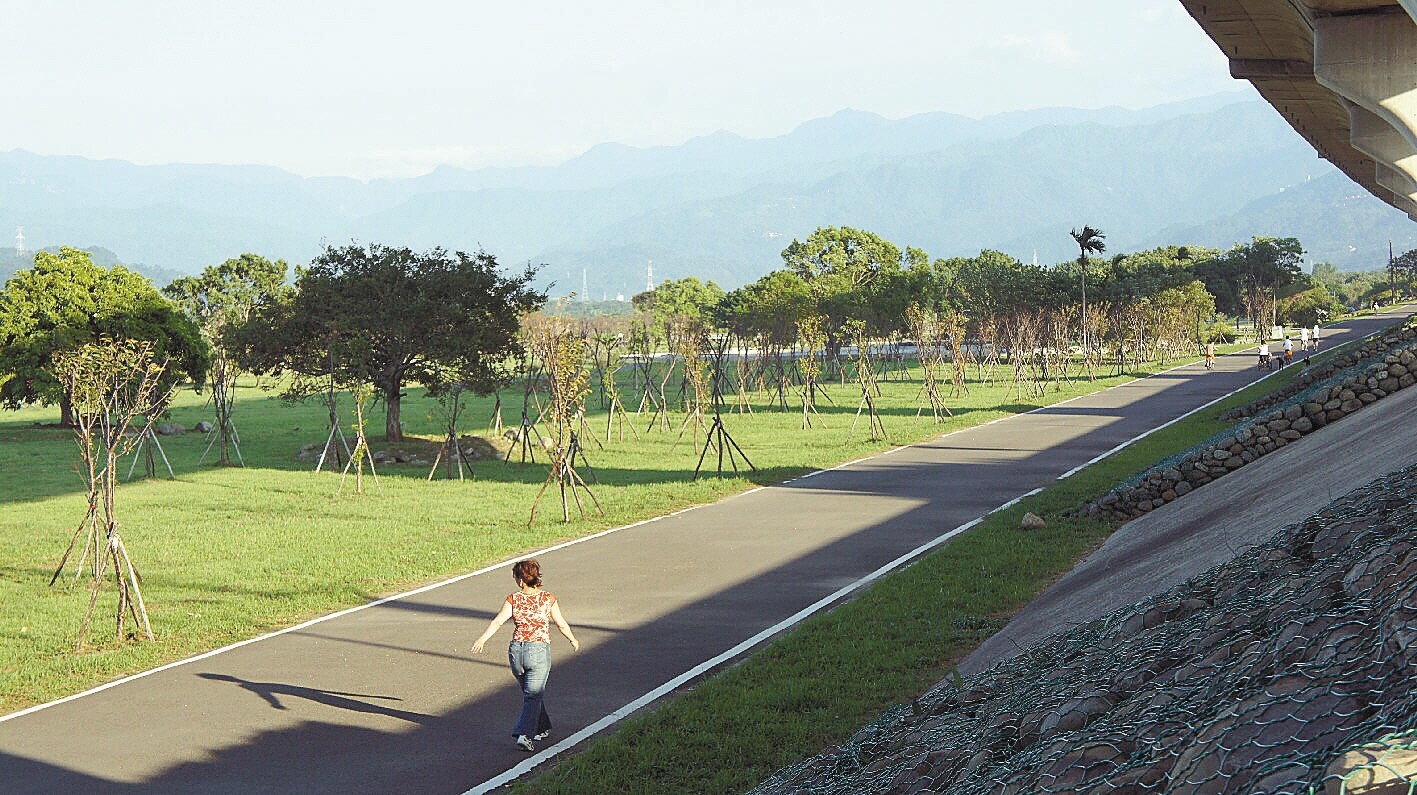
column 532, row 616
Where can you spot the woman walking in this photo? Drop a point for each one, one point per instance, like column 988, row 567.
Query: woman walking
column 532, row 610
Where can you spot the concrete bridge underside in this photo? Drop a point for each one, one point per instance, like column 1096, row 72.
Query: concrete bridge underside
column 1343, row 73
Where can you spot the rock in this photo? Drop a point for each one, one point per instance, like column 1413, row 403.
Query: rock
column 1032, row 521
column 1183, row 488
column 1367, row 397
column 1351, row 405
column 1302, row 425
column 1373, row 769
column 169, row 429
column 1293, row 413
column 203, row 427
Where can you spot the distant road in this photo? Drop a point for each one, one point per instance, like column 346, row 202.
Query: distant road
column 387, row 698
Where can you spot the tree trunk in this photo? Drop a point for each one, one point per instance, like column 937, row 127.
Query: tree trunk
column 393, row 428
column 66, row 411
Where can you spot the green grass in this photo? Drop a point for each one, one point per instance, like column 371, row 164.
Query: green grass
column 819, row 684
column 229, row 553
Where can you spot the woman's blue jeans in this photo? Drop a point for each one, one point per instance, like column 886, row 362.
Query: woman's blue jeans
column 531, row 665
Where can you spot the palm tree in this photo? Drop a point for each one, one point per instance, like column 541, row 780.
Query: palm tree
column 1089, row 241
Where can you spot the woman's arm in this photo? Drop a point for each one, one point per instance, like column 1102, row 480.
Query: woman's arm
column 497, row 622
column 563, row 626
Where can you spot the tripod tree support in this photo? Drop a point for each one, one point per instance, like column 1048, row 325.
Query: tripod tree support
column 451, row 451
column 866, row 378
column 563, row 353
column 811, row 336
column 361, row 394
column 718, row 436
column 113, row 383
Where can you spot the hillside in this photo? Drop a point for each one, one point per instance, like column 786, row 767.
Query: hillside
column 1210, row 171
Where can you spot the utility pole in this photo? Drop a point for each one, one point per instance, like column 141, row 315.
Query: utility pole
column 1391, row 273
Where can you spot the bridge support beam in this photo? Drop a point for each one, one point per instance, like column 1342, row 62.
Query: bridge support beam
column 1371, row 61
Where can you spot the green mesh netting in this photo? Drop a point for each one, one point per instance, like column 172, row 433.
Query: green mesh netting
column 1257, row 676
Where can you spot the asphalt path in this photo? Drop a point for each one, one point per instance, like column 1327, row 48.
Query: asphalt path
column 387, row 697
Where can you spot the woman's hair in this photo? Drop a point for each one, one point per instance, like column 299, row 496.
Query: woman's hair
column 527, row 571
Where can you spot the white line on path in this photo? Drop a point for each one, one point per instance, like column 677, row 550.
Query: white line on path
column 620, row 714
column 494, row 567
column 665, row 688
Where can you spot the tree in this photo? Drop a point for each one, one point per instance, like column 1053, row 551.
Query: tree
column 1247, row 278
column 384, row 316
column 687, row 298
column 220, row 300
column 1404, row 266
column 112, row 383
column 1089, row 241
column 846, row 270
column 65, row 302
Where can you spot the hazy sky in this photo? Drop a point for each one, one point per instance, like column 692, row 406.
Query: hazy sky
column 383, row 88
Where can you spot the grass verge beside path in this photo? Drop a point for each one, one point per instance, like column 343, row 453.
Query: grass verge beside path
column 229, row 553
column 820, row 683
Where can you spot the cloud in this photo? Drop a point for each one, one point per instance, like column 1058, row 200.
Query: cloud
column 1044, row 47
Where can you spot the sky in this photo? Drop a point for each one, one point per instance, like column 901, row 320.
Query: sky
column 381, row 89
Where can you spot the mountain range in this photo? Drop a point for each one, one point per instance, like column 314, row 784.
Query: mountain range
column 1209, row 171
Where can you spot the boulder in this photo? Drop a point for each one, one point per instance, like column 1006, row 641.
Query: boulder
column 203, row 427
column 170, row 429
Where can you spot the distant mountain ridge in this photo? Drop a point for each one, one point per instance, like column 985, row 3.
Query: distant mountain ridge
column 722, row 206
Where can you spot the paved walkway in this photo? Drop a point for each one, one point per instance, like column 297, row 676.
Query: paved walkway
column 387, row 699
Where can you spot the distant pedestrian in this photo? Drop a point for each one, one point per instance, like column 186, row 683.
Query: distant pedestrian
column 1210, row 356
column 532, row 611
column 1315, row 337
column 1288, row 351
column 1264, row 356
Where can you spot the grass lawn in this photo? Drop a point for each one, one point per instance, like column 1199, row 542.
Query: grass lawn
column 229, row 553
column 820, row 683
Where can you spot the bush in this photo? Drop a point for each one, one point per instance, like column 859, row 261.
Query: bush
column 1219, row 331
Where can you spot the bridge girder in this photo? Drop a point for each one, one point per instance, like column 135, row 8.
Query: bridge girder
column 1343, row 73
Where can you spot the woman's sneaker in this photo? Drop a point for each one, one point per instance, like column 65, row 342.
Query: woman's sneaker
column 524, row 743
column 542, row 736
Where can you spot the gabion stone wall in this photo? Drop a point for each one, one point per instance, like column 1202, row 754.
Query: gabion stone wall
column 1289, row 669
column 1334, row 390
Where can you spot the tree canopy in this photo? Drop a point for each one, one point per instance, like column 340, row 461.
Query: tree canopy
column 65, row 302
column 687, row 298
column 228, row 294
column 383, row 316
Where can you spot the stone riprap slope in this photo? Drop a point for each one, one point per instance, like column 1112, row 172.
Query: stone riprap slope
column 1327, row 393
column 1288, row 669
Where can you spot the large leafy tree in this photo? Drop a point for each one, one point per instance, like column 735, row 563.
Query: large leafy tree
column 769, row 307
column 385, row 316
column 847, row 270
column 226, row 295
column 1247, row 278
column 221, row 299
column 687, row 297
column 65, row 302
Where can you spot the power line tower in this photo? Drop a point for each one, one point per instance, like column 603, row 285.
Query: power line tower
column 649, row 277
column 20, row 241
